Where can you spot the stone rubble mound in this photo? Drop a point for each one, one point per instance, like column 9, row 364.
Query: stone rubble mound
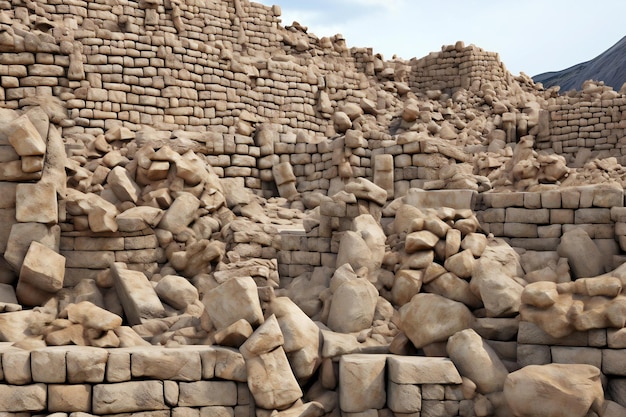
column 205, row 213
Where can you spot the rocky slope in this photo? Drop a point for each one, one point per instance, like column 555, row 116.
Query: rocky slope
column 194, row 174
column 608, row 67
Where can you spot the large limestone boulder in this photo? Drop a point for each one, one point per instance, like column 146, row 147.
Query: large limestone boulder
column 585, row 259
column 301, row 334
column 430, row 318
column 270, row 379
column 554, row 390
column 233, row 300
column 476, row 360
column 500, row 292
column 353, row 306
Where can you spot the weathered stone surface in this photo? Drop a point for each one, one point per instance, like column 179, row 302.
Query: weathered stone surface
column 166, row 364
column 93, row 317
column 25, row 138
column 36, row 203
column 69, row 398
column 583, row 255
column 362, row 382
column 420, row 370
column 207, row 393
column 180, row 214
column 128, row 397
column 235, row 299
column 554, row 390
column 136, row 294
column 43, row 268
column 22, row 234
column 430, row 318
column 353, row 306
column 476, row 360
column 176, row 291
column 25, row 398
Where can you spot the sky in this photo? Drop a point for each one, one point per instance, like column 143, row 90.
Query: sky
column 531, row 36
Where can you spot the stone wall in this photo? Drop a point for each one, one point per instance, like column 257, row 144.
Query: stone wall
column 537, row 221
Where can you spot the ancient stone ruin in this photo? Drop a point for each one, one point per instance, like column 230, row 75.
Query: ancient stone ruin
column 205, row 213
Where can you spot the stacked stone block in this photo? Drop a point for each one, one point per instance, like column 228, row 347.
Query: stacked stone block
column 190, row 381
column 536, row 221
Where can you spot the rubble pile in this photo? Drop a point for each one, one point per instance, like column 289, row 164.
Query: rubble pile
column 206, row 213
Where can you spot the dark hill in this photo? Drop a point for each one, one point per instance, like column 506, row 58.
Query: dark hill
column 610, row 67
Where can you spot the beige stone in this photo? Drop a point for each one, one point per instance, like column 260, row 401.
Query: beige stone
column 554, row 390
column 181, row 213
column 136, row 294
column 93, row 317
column 362, row 382
column 25, row 138
column 43, row 268
column 176, row 291
column 353, row 306
column 22, row 399
column 207, row 394
column 430, row 318
column 36, row 203
column 166, row 364
column 128, row 397
column 235, row 299
column 69, row 398
column 476, row 360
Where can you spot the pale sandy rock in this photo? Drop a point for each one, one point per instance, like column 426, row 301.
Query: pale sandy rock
column 91, row 316
column 129, row 338
column 555, row 390
column 476, row 360
column 301, row 337
column 25, row 138
column 138, row 218
column 43, row 268
column 176, row 291
column 583, row 255
column 404, row 398
column 554, row 320
column 86, row 364
column 540, row 294
column 436, row 226
column 36, row 203
column 404, row 217
column 122, row 185
column 341, row 121
column 367, row 190
column 270, row 379
column 235, row 299
column 353, row 306
column 362, row 382
column 69, row 397
column 373, row 235
column 354, row 250
column 166, row 364
column 128, row 397
column 101, row 213
column 136, row 294
column 406, row 283
column 453, row 242
column 234, row 335
column 421, row 240
column 500, row 293
column 454, row 288
column 461, row 264
column 210, row 395
column 180, row 214
column 420, row 370
column 27, row 398
column 430, row 318
column 476, row 243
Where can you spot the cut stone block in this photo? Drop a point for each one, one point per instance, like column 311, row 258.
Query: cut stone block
column 48, row 365
column 420, row 370
column 25, row 138
column 404, row 398
column 233, row 300
column 136, row 294
column 86, row 364
column 36, row 203
column 128, row 397
column 69, row 398
column 167, row 364
column 21, row 237
column 207, row 393
column 43, row 268
column 93, row 317
column 20, row 399
column 180, row 214
column 122, row 185
column 362, row 382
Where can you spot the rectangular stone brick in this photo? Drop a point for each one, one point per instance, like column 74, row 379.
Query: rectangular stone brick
column 530, row 333
column 570, row 354
column 561, row 216
column 614, row 362
column 48, row 365
column 520, row 230
column 166, row 364
column 520, row 215
column 503, row 200
column 69, row 398
column 592, row 215
column 207, row 393
column 128, row 397
column 422, row 370
column 88, row 259
column 23, row 399
column 99, row 244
